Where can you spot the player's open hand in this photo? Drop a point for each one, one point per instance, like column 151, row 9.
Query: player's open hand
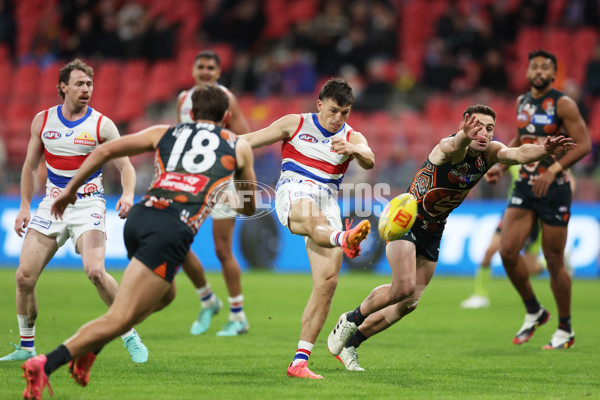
column 61, row 202
column 22, row 221
column 471, row 127
column 341, row 146
column 558, row 145
column 124, row 206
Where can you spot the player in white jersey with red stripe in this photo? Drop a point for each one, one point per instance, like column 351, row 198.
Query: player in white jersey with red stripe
column 317, row 149
column 65, row 135
column 207, row 69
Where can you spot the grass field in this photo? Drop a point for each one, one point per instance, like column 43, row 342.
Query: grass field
column 439, row 351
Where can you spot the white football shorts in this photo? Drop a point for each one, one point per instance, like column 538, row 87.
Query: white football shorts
column 291, row 189
column 85, row 215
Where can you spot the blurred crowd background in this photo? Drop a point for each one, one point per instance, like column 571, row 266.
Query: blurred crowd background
column 414, row 65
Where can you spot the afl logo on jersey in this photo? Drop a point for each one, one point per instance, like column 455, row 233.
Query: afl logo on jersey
column 51, row 135
column 523, row 119
column 308, row 138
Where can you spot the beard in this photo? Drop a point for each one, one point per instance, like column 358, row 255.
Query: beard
column 540, row 86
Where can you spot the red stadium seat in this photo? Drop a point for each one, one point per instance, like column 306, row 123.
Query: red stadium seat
column 160, row 86
column 25, row 83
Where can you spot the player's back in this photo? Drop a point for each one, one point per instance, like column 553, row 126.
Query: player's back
column 193, row 161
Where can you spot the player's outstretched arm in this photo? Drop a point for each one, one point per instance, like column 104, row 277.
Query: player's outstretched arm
column 245, row 177
column 528, row 153
column 279, row 130
column 129, row 145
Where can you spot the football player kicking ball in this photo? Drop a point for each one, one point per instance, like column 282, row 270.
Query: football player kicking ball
column 160, row 228
column 452, row 169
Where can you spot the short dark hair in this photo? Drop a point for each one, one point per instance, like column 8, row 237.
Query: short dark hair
column 65, row 73
column 480, row 109
column 338, row 90
column 211, row 55
column 209, row 102
column 543, row 53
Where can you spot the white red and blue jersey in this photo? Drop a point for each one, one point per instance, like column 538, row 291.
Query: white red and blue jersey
column 185, row 109
column 66, row 146
column 307, row 154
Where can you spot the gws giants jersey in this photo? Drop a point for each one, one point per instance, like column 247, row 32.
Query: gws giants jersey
column 66, row 146
column 185, row 109
column 537, row 119
column 193, row 161
column 439, row 189
column 307, row 154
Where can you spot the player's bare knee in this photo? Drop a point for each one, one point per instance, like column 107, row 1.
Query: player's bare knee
column 509, row 256
column 25, row 281
column 223, row 252
column 398, row 293
column 553, row 258
column 96, row 276
column 396, row 296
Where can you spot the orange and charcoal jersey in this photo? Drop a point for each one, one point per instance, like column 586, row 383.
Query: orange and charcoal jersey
column 439, row 189
column 193, row 163
column 536, row 120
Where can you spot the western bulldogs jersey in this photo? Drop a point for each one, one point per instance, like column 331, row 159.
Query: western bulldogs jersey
column 185, row 109
column 439, row 189
column 537, row 119
column 66, row 146
column 307, row 155
column 193, row 162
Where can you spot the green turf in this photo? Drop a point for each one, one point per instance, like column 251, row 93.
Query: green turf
column 439, row 351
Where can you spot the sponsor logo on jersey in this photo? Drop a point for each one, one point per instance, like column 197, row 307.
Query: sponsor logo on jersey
column 182, row 182
column 308, row 138
column 541, row 119
column 51, row 135
column 44, row 223
column 85, row 139
column 69, row 133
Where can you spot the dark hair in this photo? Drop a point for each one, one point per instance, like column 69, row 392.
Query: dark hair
column 480, row 109
column 65, row 73
column 209, row 102
column 543, row 53
column 211, row 55
column 338, row 90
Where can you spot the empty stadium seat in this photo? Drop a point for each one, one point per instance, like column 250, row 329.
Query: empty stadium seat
column 160, row 86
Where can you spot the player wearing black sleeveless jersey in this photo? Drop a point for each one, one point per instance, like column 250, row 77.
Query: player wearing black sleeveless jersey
column 451, row 170
column 543, row 192
column 193, row 161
